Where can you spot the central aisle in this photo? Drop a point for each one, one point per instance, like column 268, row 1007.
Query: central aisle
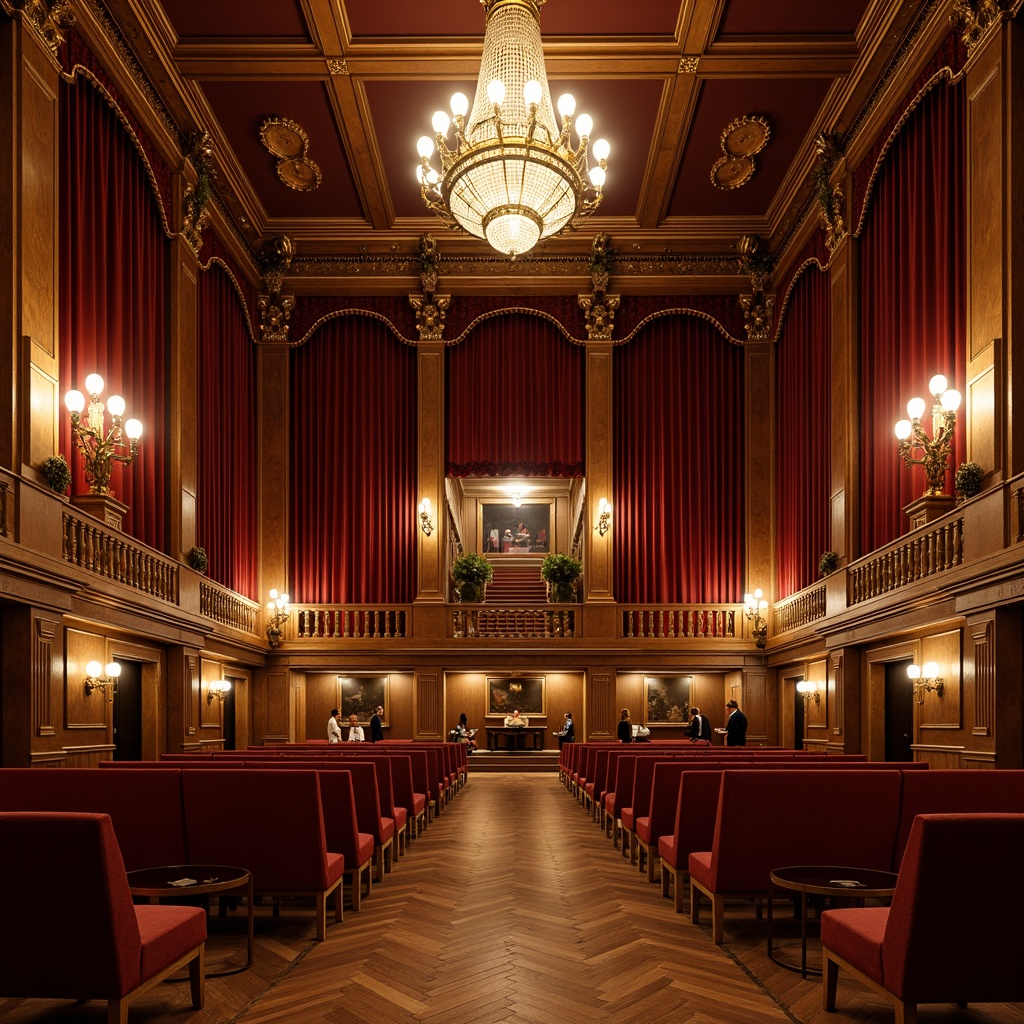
column 513, row 907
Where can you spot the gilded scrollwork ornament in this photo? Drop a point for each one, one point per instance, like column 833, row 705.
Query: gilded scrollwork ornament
column 975, row 17
column 275, row 308
column 50, row 18
column 195, row 213
column 599, row 307
column 759, row 307
column 430, row 307
column 829, row 196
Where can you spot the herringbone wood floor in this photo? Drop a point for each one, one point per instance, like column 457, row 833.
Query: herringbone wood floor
column 512, row 907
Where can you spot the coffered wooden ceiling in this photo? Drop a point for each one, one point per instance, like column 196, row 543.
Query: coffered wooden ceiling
column 662, row 79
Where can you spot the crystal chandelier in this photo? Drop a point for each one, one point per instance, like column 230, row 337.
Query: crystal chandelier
column 513, row 176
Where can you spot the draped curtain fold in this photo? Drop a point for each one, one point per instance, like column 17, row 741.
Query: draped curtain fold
column 912, row 302
column 678, row 465
column 228, row 500
column 803, row 434
column 352, row 524
column 112, row 297
column 515, row 401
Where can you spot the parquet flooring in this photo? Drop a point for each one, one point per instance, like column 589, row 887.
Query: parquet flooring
column 511, row 907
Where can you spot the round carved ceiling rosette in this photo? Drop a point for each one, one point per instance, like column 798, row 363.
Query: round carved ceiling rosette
column 741, row 140
column 285, row 139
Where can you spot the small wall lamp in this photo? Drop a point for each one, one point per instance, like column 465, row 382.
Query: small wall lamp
column 278, row 612
column 517, row 499
column 809, row 691
column 925, row 678
column 95, row 681
column 217, row 689
column 604, row 516
column 756, row 606
column 426, row 517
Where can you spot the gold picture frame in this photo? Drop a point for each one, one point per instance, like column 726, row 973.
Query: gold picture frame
column 360, row 695
column 507, row 693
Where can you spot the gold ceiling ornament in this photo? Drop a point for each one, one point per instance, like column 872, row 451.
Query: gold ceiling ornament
column 430, row 308
column 195, row 213
column 337, row 66
column 830, row 198
column 688, row 65
column 758, row 307
column 50, row 18
column 975, row 17
column 285, row 139
column 514, row 175
column 275, row 308
column 741, row 140
column 599, row 307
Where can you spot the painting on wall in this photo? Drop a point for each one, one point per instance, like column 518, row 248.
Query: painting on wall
column 507, row 530
column 507, row 693
column 360, row 695
column 668, row 699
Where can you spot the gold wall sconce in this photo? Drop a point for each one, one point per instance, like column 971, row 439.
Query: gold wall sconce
column 106, row 683
column 277, row 612
column 100, row 447
column 925, row 679
column 809, row 691
column 755, row 608
column 426, row 517
column 604, row 516
column 935, row 450
column 217, row 689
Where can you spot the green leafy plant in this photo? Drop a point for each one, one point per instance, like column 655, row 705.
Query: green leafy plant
column 968, row 479
column 471, row 573
column 561, row 572
column 197, row 559
column 57, row 473
column 602, row 255
column 828, row 563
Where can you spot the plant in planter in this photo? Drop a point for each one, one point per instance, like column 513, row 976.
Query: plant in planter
column 968, row 479
column 57, row 473
column 561, row 573
column 828, row 563
column 197, row 559
column 471, row 573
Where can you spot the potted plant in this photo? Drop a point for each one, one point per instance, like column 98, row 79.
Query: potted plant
column 471, row 572
column 57, row 473
column 968, row 479
column 561, row 573
column 828, row 563
column 197, row 559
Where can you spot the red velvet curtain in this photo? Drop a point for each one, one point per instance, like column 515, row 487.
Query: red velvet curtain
column 678, row 465
column 228, row 500
column 803, row 435
column 515, row 401
column 352, row 529
column 113, row 307
column 912, row 305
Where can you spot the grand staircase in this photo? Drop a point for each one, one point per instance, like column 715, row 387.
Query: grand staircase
column 514, row 586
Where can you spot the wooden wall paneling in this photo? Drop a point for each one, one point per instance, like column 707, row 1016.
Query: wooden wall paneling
column 943, row 712
column 273, row 425
column 211, row 712
column 1008, row 730
column 322, row 696
column 183, row 439
column 153, row 674
column 430, row 472
column 756, row 705
column 598, row 550
column 31, row 649
column 759, row 489
column 275, row 703
column 603, row 699
column 296, row 708
column 83, row 712
column 428, row 699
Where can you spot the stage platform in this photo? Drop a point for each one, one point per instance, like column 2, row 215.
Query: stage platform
column 516, row 761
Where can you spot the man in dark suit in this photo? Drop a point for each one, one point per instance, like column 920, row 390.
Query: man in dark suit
column 735, row 726
column 376, row 727
column 700, row 727
column 568, row 733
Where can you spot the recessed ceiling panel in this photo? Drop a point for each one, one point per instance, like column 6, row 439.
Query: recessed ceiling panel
column 794, row 18
column 254, row 19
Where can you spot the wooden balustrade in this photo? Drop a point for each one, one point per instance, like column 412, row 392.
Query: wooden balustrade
column 540, row 622
column 228, row 608
column 799, row 609
column 4, row 488
column 331, row 622
column 672, row 623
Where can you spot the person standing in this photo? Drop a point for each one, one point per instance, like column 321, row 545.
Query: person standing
column 700, row 727
column 355, row 730
column 376, row 725
column 625, row 729
column 568, row 733
column 735, row 726
column 334, row 726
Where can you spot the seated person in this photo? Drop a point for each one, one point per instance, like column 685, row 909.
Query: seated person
column 516, row 720
column 700, row 727
column 568, row 733
column 355, row 730
column 463, row 734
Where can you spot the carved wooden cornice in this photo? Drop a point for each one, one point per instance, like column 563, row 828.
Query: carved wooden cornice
column 974, row 18
column 49, row 18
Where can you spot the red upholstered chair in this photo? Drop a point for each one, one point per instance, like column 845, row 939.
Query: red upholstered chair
column 939, row 942
column 94, row 944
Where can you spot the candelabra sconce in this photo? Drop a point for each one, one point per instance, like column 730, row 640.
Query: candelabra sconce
column 277, row 612
column 426, row 517
column 604, row 516
column 934, row 450
column 100, row 447
column 217, row 689
column 106, row 683
column 809, row 691
column 755, row 608
column 925, row 679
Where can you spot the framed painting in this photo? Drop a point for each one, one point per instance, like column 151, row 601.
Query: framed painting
column 668, row 699
column 359, row 695
column 507, row 693
column 507, row 530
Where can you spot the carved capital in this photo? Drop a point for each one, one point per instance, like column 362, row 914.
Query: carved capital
column 599, row 311
column 430, row 313
column 975, row 17
column 275, row 308
column 758, row 314
column 50, row 18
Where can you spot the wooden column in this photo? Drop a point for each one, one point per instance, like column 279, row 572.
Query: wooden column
column 759, row 513
column 598, row 550
column 272, row 386
column 430, row 484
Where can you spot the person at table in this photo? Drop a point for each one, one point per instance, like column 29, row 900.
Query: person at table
column 507, row 540
column 334, row 726
column 735, row 726
column 516, row 720
column 355, row 730
column 463, row 733
column 700, row 727
column 568, row 732
column 377, row 725
column 625, row 729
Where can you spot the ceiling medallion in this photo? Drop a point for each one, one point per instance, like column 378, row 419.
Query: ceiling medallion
column 741, row 140
column 287, row 141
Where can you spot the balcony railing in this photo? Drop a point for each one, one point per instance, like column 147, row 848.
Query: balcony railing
column 536, row 622
column 228, row 608
column 800, row 609
column 352, row 622
column 706, row 622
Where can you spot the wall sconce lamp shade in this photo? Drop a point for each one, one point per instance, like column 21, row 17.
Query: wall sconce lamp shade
column 217, row 689
column 809, row 691
column 277, row 615
column 426, row 517
column 925, row 679
column 106, row 683
column 100, row 447
column 755, row 608
column 911, row 436
column 604, row 516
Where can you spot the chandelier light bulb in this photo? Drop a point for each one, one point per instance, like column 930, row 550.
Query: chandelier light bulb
column 75, row 401
column 584, row 126
column 915, row 408
column 425, row 146
column 440, row 123
column 459, row 104
column 903, row 429
column 601, row 149
column 115, row 405
column 937, row 385
column 597, row 176
column 496, row 92
column 532, row 92
column 566, row 104
column 950, row 400
column 94, row 384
